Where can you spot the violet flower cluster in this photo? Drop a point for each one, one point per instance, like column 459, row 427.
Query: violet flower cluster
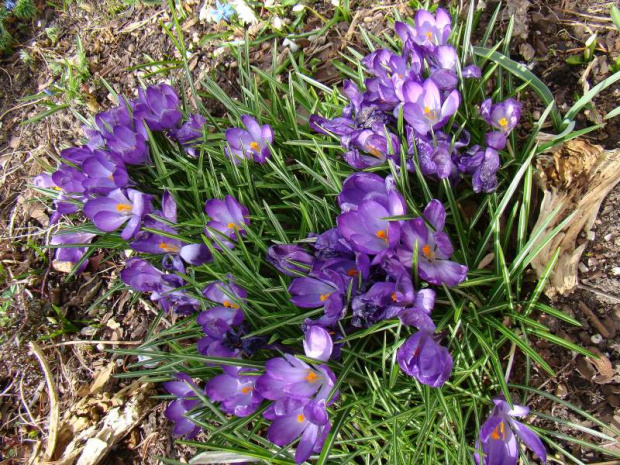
column 94, row 178
column 421, row 82
column 360, row 272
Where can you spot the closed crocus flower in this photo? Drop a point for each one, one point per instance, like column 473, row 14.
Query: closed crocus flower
column 252, row 143
column 66, row 258
column 429, row 30
column 483, row 165
column 216, row 321
column 424, row 359
column 227, row 294
column 104, row 172
column 503, row 116
column 424, row 107
column 69, row 179
column 318, row 343
column 290, row 259
column 129, row 145
column 369, row 148
column 118, row 116
column 184, row 389
column 499, row 435
column 369, row 186
column 158, row 107
column 190, row 133
column 141, row 276
column 117, row 208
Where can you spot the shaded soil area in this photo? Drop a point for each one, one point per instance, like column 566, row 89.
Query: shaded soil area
column 76, row 321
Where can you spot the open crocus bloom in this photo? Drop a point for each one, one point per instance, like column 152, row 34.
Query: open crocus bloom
column 235, row 390
column 424, row 107
column 503, row 116
column 433, row 246
column 290, row 259
column 498, row 436
column 252, row 144
column 111, row 212
column 158, row 107
column 178, row 409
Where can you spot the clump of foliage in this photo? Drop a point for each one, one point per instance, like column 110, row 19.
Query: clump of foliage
column 11, row 13
column 347, row 267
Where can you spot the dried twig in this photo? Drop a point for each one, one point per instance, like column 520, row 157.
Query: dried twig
column 54, row 406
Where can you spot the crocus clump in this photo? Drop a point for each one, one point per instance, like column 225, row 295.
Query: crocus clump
column 368, row 258
column 421, row 83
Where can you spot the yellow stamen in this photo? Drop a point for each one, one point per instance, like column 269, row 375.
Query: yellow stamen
column 374, row 151
column 428, row 253
column 229, row 304
column 254, row 146
column 503, row 122
column 353, row 273
column 232, row 226
column 312, row 377
column 429, row 35
column 123, row 207
column 324, row 297
column 168, row 247
column 247, row 389
column 394, row 297
column 382, row 234
column 300, row 418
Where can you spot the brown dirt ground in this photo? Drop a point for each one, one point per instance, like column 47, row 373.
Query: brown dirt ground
column 115, row 42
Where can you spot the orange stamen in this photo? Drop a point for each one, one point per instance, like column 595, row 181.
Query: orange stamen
column 111, row 177
column 324, row 297
column 311, row 377
column 229, row 304
column 254, row 146
column 353, row 273
column 394, row 297
column 382, row 234
column 232, row 226
column 300, row 418
column 168, row 247
column 429, row 35
column 123, row 207
column 428, row 253
column 247, row 389
column 375, row 152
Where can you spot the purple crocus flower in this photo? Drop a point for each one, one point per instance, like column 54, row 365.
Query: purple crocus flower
column 252, row 143
column 66, row 258
column 158, row 106
column 328, row 291
column 434, row 247
column 77, row 155
column 141, row 275
column 177, row 411
column 189, row 135
column 129, row 145
column 483, row 165
column 424, row 107
column 503, row 116
column 429, row 30
column 118, row 116
column 69, row 179
column 290, row 259
column 443, row 69
column 291, row 418
column 228, row 216
column 418, row 313
column 235, row 390
column 217, row 321
column 369, row 186
column 434, row 156
column 318, row 343
column 226, row 294
column 290, row 377
column 367, row 148
column 367, row 230
column 424, row 359
column 105, row 172
column 375, row 305
column 111, row 212
column 498, row 436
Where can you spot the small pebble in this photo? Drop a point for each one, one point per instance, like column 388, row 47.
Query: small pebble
column 607, row 237
column 583, row 268
column 590, row 235
column 596, row 339
column 616, row 270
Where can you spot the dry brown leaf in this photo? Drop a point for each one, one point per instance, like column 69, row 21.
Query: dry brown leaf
column 575, row 178
column 102, row 378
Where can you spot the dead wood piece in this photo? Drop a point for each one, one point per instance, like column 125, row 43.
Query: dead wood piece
column 575, row 179
column 94, row 425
